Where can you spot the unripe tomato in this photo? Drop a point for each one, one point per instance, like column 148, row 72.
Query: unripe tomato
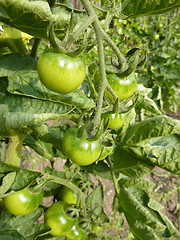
column 159, row 26
column 80, row 150
column 59, row 72
column 123, row 87
column 23, row 202
column 56, row 218
column 61, row 224
column 76, row 233
column 68, row 195
column 114, row 120
column 156, row 36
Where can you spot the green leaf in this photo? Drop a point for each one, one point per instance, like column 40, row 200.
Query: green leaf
column 10, row 234
column 144, row 101
column 31, row 17
column 144, row 221
column 138, row 8
column 100, row 168
column 141, row 230
column 95, row 200
column 24, row 224
column 7, row 181
column 18, row 178
column 150, row 128
column 44, row 149
column 129, row 164
column 142, row 183
column 165, row 153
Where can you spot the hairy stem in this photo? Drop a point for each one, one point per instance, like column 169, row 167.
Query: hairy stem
column 74, row 36
column 35, row 47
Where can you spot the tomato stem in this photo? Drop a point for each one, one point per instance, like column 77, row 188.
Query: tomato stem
column 100, row 36
column 35, row 47
column 74, row 35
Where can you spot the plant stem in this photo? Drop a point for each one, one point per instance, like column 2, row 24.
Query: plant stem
column 112, row 44
column 14, row 149
column 100, row 36
column 100, row 46
column 35, row 47
column 74, row 36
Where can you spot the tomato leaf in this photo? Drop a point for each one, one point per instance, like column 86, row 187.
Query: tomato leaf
column 142, row 183
column 143, row 220
column 10, row 234
column 95, row 200
column 129, row 164
column 144, row 101
column 18, row 178
column 138, row 8
column 150, row 128
column 101, row 169
column 7, row 181
column 24, row 224
column 153, row 141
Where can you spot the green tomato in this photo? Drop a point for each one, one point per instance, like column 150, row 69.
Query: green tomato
column 23, row 202
column 76, row 233
column 96, row 228
column 156, row 36
column 80, row 150
column 68, row 195
column 159, row 26
column 123, row 87
column 56, row 218
column 114, row 120
column 60, row 73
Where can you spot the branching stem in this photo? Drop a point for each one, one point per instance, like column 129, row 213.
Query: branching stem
column 100, row 37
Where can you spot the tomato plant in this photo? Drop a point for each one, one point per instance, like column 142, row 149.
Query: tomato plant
column 79, row 149
column 24, row 201
column 123, row 87
column 60, row 72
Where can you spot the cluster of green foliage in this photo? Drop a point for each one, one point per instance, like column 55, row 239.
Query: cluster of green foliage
column 100, row 128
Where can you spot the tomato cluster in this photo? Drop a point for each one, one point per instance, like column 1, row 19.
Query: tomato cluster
column 26, row 201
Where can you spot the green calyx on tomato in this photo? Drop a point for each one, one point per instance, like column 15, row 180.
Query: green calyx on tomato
column 24, row 201
column 114, row 120
column 68, row 195
column 123, row 87
column 59, row 72
column 81, row 151
column 106, row 151
column 61, row 224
